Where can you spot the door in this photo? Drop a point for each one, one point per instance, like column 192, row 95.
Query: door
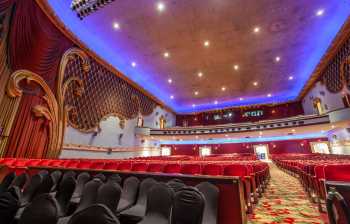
column 262, row 151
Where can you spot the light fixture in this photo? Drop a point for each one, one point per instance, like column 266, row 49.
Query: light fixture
column 200, row 74
column 193, row 105
column 333, row 126
column 260, row 133
column 236, row 67
column 196, row 136
column 133, row 64
column 256, row 29
column 170, row 81
column 320, row 12
column 269, row 95
column 255, row 83
column 290, row 78
column 216, row 102
column 172, row 97
column 206, row 43
column 160, row 6
column 116, row 26
column 277, row 59
column 196, row 93
column 293, row 130
column 240, row 99
column 226, row 136
column 223, row 88
column 166, row 54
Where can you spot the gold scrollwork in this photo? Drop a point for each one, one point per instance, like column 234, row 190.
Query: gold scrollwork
column 342, row 70
column 54, row 111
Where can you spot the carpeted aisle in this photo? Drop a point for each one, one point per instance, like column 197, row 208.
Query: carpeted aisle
column 284, row 201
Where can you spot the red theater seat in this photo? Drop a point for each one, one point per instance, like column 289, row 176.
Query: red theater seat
column 235, row 170
column 72, row 164
column 124, row 166
column 212, row 169
column 155, row 167
column 192, row 169
column 139, row 167
column 97, row 165
column 172, row 168
column 111, row 166
column 339, row 172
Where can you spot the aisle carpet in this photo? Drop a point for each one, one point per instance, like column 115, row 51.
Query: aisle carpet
column 284, row 201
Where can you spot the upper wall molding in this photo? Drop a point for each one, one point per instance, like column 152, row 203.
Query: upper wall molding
column 45, row 7
column 342, row 36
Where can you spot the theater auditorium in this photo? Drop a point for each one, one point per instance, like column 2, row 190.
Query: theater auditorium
column 174, row 112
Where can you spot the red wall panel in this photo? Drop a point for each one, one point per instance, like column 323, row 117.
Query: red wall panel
column 275, row 147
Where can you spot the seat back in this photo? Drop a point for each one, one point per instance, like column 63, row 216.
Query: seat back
column 94, row 214
column 111, row 166
column 145, row 186
column 192, row 169
column 159, row 202
column 339, row 172
column 337, row 207
column 130, row 189
column 89, row 194
column 235, row 170
column 211, row 198
column 124, row 166
column 114, row 178
column 139, row 167
column 109, row 195
column 31, row 188
column 188, row 199
column 45, row 186
column 64, row 194
column 212, row 170
column 175, row 184
column 43, row 210
column 82, row 179
column 6, row 181
column 172, row 168
column 99, row 165
column 155, row 167
column 100, row 176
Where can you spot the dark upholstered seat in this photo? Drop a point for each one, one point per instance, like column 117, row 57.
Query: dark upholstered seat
column 115, row 178
column 6, row 182
column 159, row 203
column 211, row 197
column 8, row 206
column 185, row 200
column 109, row 195
column 64, row 194
column 138, row 211
column 176, row 184
column 95, row 214
column 129, row 193
column 43, row 210
column 82, row 179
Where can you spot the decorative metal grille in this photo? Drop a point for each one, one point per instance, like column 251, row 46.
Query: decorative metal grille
column 104, row 94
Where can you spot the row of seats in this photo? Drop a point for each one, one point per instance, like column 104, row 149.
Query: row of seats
column 70, row 198
column 254, row 174
column 314, row 171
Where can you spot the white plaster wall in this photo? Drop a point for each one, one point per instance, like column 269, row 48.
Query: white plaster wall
column 330, row 101
column 76, row 154
column 111, row 131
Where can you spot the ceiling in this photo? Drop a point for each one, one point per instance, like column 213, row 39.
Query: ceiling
column 298, row 32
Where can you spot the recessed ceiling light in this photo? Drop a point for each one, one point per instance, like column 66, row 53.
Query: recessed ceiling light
column 236, row 67
column 333, row 126
column 260, row 133
column 196, row 93
column 206, row 43
column 133, row 64
column 160, row 6
column 193, row 105
column 170, row 80
column 197, row 136
column 223, row 88
column 256, row 29
column 320, row 12
column 277, row 59
column 290, row 78
column 166, row 54
column 293, row 130
column 255, row 83
column 200, row 74
column 241, row 99
column 269, row 95
column 171, row 97
column 226, row 136
column 216, row 102
column 116, row 25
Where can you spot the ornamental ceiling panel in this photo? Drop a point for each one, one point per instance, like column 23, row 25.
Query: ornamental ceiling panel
column 275, row 43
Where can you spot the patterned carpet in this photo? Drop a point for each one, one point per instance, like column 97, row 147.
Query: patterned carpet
column 284, row 201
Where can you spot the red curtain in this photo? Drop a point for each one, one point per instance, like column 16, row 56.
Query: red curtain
column 37, row 45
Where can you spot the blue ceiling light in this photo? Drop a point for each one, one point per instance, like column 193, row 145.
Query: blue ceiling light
column 317, row 37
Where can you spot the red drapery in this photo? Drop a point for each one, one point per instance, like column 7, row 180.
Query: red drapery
column 37, row 45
